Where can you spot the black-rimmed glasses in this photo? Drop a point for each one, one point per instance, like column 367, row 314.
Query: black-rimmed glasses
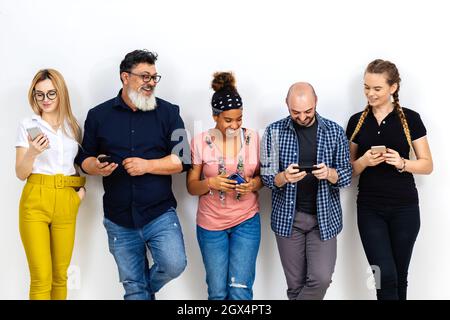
column 40, row 96
column 146, row 77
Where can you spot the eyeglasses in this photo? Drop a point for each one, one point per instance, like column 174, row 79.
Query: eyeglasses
column 146, row 77
column 40, row 96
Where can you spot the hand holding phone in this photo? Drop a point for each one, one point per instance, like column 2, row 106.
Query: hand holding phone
column 307, row 169
column 34, row 132
column 378, row 149
column 105, row 165
column 104, row 158
column 237, row 177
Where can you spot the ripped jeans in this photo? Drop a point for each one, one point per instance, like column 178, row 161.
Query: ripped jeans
column 229, row 257
column 163, row 237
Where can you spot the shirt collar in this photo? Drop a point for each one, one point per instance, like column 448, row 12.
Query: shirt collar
column 120, row 103
column 389, row 115
column 37, row 118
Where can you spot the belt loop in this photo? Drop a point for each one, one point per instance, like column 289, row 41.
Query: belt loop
column 59, row 181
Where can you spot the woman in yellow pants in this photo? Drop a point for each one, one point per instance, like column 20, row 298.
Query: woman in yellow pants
column 46, row 146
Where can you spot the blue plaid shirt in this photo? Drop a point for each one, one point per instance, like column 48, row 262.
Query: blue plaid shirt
column 279, row 149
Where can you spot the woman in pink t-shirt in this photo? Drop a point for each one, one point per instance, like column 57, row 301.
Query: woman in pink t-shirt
column 228, row 223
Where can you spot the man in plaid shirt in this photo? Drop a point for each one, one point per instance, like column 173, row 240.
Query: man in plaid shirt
column 306, row 210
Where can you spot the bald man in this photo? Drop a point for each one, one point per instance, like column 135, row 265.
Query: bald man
column 305, row 161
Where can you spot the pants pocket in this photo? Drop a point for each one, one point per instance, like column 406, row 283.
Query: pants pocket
column 73, row 203
column 31, row 204
column 26, row 192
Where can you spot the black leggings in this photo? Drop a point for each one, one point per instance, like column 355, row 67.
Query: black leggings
column 388, row 235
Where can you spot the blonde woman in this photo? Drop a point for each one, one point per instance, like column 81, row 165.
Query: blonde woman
column 381, row 138
column 46, row 146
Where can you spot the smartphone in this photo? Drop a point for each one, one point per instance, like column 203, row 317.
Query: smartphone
column 307, row 169
column 237, row 177
column 34, row 132
column 378, row 149
column 103, row 158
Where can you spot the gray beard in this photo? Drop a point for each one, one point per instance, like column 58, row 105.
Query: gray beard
column 142, row 102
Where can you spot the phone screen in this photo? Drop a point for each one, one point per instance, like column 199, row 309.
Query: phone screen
column 378, row 149
column 307, row 169
column 104, row 159
column 237, row 177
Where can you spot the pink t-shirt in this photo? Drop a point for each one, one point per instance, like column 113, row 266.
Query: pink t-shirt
column 213, row 213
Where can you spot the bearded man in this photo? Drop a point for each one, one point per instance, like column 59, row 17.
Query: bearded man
column 138, row 137
column 305, row 160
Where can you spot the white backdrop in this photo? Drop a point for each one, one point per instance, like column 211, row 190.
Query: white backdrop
column 268, row 45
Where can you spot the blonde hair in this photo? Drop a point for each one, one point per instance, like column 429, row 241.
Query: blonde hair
column 393, row 76
column 64, row 109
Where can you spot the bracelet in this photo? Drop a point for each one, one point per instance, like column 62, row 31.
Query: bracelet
column 210, row 191
column 403, row 167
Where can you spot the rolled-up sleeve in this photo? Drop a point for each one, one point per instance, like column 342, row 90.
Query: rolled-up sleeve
column 179, row 140
column 89, row 146
column 269, row 159
column 342, row 161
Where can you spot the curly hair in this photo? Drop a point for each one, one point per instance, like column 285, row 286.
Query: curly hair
column 223, row 80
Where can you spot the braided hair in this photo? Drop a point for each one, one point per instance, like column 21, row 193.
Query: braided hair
column 393, row 76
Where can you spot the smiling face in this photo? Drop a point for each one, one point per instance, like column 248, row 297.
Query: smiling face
column 140, row 93
column 302, row 108
column 229, row 122
column 46, row 96
column 133, row 79
column 377, row 89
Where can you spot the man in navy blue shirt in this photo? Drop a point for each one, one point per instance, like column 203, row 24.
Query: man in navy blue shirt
column 146, row 142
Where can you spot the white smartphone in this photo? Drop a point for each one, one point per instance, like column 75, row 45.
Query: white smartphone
column 378, row 149
column 34, row 132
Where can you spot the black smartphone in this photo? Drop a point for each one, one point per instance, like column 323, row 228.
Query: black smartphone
column 237, row 177
column 104, row 158
column 307, row 169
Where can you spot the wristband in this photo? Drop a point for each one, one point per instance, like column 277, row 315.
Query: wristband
column 403, row 167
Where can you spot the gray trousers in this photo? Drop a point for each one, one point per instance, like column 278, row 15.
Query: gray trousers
column 308, row 262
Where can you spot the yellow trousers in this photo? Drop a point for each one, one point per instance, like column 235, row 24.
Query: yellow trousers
column 47, row 219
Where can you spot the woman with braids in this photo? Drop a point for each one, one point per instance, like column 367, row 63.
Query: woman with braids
column 225, row 176
column 388, row 204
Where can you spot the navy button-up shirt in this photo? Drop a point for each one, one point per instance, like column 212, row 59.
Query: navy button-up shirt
column 114, row 129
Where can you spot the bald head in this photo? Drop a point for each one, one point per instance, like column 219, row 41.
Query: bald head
column 301, row 101
column 301, row 89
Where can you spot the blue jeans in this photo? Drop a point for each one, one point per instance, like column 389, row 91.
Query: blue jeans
column 230, row 259
column 164, row 238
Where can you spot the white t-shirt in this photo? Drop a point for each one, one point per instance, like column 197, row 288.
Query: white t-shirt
column 59, row 158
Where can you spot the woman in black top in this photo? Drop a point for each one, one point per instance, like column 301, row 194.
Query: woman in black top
column 388, row 204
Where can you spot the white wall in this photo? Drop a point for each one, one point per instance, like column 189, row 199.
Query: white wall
column 268, row 45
